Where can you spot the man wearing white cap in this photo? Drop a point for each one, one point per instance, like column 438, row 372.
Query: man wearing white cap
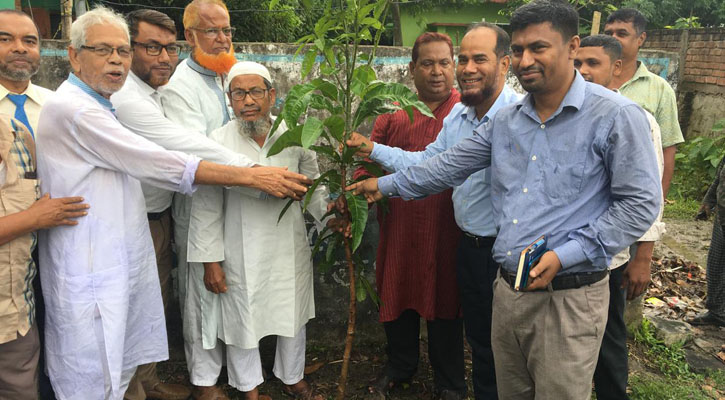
column 257, row 275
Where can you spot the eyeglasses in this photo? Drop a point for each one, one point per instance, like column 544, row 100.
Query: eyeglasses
column 106, row 51
column 240, row 94
column 211, row 33
column 154, row 49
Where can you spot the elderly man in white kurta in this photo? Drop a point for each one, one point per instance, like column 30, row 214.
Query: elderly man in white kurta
column 104, row 309
column 257, row 274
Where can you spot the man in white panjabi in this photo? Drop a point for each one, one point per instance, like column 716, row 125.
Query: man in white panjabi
column 257, row 275
column 104, row 311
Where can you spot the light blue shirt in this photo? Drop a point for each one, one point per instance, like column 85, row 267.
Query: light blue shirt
column 471, row 199
column 586, row 177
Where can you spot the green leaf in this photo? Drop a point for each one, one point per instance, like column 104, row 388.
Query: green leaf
column 311, row 130
column 335, row 124
column 360, row 292
column 284, row 210
column 313, row 187
column 320, row 43
column 373, row 169
column 358, row 207
column 273, row 3
column 369, row 289
column 296, row 104
column 320, row 238
column 327, row 88
column 308, row 62
column 326, row 151
column 361, row 77
column 320, row 102
column 372, row 22
column 292, row 137
column 331, row 248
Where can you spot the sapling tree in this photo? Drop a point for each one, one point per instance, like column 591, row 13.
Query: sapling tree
column 322, row 113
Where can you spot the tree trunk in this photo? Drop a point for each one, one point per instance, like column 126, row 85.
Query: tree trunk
column 397, row 29
column 66, row 12
column 352, row 309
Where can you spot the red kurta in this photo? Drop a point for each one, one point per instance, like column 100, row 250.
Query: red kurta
column 416, row 260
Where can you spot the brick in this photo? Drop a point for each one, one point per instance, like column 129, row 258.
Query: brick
column 710, row 79
column 716, row 52
column 721, row 82
column 700, row 79
column 719, row 73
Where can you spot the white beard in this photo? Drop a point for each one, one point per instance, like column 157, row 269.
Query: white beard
column 254, row 129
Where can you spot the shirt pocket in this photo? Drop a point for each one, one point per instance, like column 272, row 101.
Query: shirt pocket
column 21, row 195
column 563, row 173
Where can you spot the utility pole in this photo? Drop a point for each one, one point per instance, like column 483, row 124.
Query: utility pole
column 66, row 15
column 596, row 19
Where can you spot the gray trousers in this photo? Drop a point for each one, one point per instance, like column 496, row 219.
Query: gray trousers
column 546, row 343
column 19, row 367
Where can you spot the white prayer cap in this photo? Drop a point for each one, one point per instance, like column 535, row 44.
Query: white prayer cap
column 248, row 68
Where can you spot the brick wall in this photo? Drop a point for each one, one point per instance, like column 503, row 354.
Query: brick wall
column 703, row 52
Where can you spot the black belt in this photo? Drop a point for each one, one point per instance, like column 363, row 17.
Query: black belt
column 158, row 215
column 573, row 281
column 478, row 241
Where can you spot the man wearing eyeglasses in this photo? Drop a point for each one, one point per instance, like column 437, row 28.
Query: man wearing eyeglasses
column 194, row 98
column 105, row 313
column 138, row 107
column 248, row 291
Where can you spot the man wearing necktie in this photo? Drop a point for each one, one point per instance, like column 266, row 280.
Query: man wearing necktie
column 19, row 61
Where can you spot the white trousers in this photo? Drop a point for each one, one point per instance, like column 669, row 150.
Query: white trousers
column 244, row 366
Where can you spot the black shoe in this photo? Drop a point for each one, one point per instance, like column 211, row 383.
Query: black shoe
column 447, row 394
column 380, row 387
column 707, row 318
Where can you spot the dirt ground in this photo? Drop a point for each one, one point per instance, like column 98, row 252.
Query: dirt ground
column 686, row 241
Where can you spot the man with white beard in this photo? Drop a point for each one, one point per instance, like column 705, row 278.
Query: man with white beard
column 256, row 279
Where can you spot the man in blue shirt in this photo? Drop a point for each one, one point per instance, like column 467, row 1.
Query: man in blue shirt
column 483, row 61
column 568, row 161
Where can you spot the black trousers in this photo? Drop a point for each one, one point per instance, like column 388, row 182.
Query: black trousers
column 445, row 350
column 610, row 375
column 45, row 390
column 476, row 273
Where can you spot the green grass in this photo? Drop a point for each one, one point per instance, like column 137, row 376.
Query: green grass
column 681, row 208
column 677, row 382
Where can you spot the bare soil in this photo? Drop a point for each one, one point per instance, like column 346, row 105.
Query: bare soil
column 686, row 243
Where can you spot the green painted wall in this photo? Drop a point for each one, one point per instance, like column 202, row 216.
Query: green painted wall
column 413, row 25
column 6, row 4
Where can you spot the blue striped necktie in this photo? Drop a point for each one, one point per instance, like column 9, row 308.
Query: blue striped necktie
column 19, row 101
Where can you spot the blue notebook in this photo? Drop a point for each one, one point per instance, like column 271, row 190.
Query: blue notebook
column 530, row 256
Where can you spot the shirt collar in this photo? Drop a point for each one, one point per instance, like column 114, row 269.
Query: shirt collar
column 31, row 91
column 506, row 97
column 640, row 73
column 198, row 68
column 574, row 98
column 72, row 79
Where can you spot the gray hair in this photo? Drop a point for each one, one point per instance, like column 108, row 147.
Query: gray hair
column 99, row 15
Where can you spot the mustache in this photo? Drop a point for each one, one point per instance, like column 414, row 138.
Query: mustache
column 532, row 68
column 252, row 108
column 20, row 58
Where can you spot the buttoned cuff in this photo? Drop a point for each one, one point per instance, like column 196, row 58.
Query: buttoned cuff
column 386, row 186
column 187, row 186
column 570, row 254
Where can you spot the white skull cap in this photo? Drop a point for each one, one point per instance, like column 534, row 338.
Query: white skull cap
column 247, row 68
